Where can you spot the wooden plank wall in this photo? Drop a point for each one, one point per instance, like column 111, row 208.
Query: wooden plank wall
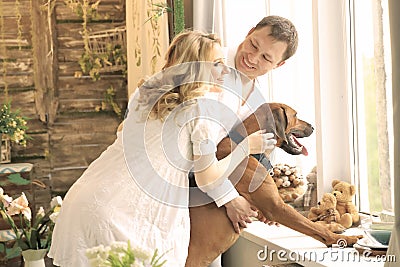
column 68, row 133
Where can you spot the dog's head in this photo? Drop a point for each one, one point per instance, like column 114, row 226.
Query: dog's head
column 288, row 128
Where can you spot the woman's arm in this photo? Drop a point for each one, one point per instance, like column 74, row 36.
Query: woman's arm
column 212, row 178
column 210, row 172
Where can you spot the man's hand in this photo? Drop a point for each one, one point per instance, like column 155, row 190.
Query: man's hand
column 239, row 212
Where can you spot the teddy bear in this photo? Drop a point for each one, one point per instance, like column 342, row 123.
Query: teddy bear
column 309, row 198
column 344, row 193
column 327, row 214
column 288, row 180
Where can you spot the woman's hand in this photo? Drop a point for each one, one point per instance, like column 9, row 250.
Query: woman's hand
column 239, row 212
column 258, row 142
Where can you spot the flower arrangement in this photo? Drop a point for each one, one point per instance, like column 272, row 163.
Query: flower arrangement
column 13, row 124
column 31, row 233
column 121, row 254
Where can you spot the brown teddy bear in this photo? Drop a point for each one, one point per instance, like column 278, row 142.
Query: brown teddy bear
column 344, row 193
column 326, row 213
column 309, row 198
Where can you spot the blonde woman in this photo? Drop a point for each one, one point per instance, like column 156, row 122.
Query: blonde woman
column 138, row 189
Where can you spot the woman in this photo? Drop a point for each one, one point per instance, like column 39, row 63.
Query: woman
column 137, row 189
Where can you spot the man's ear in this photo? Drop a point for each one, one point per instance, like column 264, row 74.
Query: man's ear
column 280, row 64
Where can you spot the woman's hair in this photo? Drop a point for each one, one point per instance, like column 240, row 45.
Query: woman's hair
column 282, row 29
column 188, row 46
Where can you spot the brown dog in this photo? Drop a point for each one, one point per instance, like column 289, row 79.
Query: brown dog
column 211, row 230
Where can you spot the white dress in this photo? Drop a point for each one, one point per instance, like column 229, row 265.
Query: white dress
column 108, row 204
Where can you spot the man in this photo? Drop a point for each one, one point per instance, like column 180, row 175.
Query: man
column 267, row 46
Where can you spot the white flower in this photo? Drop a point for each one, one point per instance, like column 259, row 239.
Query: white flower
column 137, row 264
column 53, row 217
column 120, row 254
column 5, row 198
column 98, row 262
column 91, row 253
column 142, row 254
column 119, row 246
column 20, row 205
column 56, row 202
column 99, row 251
column 40, row 213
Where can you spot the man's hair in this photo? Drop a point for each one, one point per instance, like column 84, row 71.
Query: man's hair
column 282, row 29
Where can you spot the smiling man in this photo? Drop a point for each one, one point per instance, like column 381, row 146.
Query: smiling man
column 267, row 46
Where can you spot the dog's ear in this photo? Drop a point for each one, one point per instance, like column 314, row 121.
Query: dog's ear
column 280, row 122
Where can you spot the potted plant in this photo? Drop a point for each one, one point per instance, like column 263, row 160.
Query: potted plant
column 13, row 128
column 32, row 234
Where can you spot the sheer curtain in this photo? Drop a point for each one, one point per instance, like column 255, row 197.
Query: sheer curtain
column 394, row 245
column 293, row 83
column 203, row 15
column 147, row 40
column 209, row 16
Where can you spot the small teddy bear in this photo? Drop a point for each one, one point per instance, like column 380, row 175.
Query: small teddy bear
column 326, row 213
column 344, row 193
column 309, row 198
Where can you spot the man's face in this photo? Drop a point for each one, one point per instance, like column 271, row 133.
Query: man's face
column 259, row 53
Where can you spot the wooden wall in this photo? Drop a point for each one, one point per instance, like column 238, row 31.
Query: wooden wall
column 38, row 67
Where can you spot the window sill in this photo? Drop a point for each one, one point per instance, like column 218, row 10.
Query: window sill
column 263, row 245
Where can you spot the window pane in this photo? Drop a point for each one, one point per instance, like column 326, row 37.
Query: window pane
column 373, row 102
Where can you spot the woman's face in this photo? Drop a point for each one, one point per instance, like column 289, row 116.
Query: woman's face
column 219, row 69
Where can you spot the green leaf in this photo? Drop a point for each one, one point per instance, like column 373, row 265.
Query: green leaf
column 17, row 179
column 14, row 251
column 35, row 239
column 23, row 244
column 155, row 260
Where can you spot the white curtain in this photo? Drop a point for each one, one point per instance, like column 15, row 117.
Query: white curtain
column 219, row 20
column 294, row 82
column 147, row 40
column 394, row 245
column 209, row 16
column 203, row 15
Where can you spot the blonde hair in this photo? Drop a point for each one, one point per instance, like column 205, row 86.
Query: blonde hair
column 188, row 46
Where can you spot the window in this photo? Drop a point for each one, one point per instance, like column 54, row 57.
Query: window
column 372, row 102
column 339, row 80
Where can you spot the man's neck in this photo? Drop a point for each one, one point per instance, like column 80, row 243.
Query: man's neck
column 247, row 89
